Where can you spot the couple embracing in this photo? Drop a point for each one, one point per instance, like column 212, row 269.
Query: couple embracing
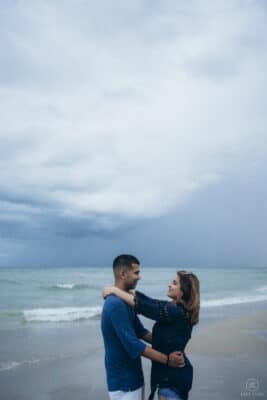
column 124, row 334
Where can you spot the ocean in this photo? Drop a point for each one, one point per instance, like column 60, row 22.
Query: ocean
column 50, row 313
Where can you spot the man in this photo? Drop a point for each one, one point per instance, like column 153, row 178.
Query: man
column 122, row 331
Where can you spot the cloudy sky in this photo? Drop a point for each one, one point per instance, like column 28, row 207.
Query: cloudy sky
column 133, row 126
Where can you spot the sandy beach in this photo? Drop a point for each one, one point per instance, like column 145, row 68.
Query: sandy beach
column 229, row 359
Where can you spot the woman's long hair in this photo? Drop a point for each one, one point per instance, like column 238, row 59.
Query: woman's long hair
column 191, row 294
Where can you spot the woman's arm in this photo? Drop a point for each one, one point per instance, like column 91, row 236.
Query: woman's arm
column 125, row 296
column 157, row 310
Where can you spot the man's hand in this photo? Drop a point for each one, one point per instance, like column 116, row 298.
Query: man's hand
column 176, row 359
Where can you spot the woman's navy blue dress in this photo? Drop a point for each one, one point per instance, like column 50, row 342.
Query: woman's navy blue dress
column 171, row 332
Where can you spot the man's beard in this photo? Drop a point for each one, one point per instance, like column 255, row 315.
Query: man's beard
column 131, row 286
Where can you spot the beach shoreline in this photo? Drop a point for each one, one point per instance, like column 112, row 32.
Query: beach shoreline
column 227, row 355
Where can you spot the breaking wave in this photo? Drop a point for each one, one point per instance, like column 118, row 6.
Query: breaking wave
column 71, row 286
column 63, row 314
column 234, row 300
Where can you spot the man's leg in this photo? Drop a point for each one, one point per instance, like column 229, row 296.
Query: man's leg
column 138, row 394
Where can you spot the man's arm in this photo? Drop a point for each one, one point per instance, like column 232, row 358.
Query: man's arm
column 148, row 337
column 129, row 340
column 175, row 359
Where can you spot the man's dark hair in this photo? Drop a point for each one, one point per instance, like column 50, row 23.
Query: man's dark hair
column 124, row 262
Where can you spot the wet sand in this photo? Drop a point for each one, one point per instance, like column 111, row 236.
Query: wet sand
column 229, row 359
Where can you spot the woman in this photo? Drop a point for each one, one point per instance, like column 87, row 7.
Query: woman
column 171, row 332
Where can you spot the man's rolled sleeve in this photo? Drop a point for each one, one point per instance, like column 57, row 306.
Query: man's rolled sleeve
column 122, row 324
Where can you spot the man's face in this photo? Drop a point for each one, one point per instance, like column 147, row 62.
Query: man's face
column 132, row 277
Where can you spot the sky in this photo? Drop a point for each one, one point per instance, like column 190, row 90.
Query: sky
column 133, row 127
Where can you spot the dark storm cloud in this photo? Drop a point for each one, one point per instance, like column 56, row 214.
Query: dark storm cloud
column 114, row 118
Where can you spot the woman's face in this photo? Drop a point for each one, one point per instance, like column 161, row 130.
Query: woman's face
column 175, row 291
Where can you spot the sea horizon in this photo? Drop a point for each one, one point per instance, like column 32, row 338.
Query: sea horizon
column 61, row 294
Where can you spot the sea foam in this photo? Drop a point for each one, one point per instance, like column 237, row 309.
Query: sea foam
column 71, row 286
column 15, row 364
column 64, row 314
column 262, row 289
column 224, row 301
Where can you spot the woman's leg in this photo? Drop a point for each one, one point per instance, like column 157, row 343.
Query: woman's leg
column 168, row 394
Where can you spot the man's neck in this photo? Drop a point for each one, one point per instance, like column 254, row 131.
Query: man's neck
column 120, row 285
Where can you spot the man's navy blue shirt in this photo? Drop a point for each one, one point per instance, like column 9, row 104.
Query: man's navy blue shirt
column 122, row 330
